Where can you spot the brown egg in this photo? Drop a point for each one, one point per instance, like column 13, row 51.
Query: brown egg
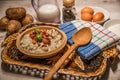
column 88, row 10
column 86, row 16
column 98, row 17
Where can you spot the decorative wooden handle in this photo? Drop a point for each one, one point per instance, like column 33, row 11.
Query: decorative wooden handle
column 10, row 38
column 59, row 62
column 68, row 59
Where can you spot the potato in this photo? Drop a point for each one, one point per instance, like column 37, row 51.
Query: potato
column 27, row 19
column 3, row 23
column 16, row 13
column 13, row 26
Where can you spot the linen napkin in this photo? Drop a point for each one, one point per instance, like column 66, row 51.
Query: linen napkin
column 101, row 37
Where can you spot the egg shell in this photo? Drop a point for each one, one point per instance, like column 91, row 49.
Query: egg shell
column 98, row 17
column 86, row 16
column 87, row 10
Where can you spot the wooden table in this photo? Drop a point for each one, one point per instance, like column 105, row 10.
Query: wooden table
column 113, row 6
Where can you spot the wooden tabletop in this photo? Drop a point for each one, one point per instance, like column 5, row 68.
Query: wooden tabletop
column 113, row 6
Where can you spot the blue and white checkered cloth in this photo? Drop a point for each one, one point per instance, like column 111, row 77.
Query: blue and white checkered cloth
column 101, row 37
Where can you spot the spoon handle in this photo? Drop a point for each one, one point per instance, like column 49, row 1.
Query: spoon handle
column 59, row 62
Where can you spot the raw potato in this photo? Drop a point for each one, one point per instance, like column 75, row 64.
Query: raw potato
column 13, row 26
column 16, row 13
column 27, row 19
column 3, row 23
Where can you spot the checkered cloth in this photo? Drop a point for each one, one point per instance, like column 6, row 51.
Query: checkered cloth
column 101, row 37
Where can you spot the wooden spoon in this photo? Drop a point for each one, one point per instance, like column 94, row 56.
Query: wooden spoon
column 80, row 38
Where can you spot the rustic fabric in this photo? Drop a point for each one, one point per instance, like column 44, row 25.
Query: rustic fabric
column 101, row 37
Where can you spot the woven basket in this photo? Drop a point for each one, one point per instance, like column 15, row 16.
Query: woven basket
column 75, row 69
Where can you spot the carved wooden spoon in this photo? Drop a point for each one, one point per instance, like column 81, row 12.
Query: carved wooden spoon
column 80, row 38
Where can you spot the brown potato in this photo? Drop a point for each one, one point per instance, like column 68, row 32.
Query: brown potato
column 3, row 23
column 13, row 26
column 16, row 13
column 27, row 19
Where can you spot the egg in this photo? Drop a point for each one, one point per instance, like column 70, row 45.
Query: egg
column 98, row 17
column 87, row 10
column 86, row 17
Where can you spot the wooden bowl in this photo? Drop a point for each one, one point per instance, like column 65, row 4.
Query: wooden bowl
column 39, row 54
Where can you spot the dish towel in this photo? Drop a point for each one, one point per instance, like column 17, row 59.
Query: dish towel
column 101, row 37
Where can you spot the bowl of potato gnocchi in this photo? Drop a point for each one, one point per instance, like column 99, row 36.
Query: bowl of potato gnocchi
column 41, row 41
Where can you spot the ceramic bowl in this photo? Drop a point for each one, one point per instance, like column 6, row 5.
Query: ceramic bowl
column 114, row 26
column 39, row 54
column 96, row 9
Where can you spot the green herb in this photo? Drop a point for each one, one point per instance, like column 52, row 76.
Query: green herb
column 38, row 37
column 36, row 30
